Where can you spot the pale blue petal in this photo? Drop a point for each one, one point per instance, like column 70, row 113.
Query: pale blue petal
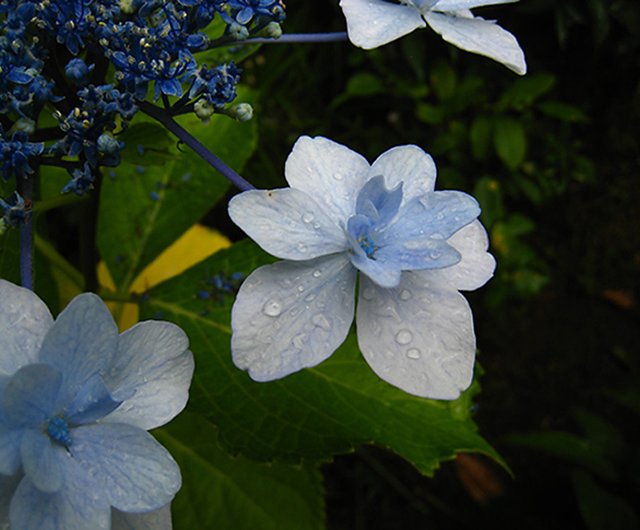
column 329, row 172
column 459, row 5
column 155, row 520
column 32, row 395
column 81, row 343
column 417, row 336
column 476, row 265
column 287, row 223
column 43, row 461
column 417, row 255
column 32, row 509
column 9, row 450
column 292, row 315
column 409, row 165
column 436, row 215
column 127, row 467
column 152, row 374
column 8, row 485
column 381, row 273
column 372, row 23
column 480, row 36
column 377, row 202
column 24, row 321
column 91, row 403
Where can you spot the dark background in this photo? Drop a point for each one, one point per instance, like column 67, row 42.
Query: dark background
column 558, row 327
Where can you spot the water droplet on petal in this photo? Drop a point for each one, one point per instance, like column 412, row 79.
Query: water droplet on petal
column 272, row 308
column 405, row 294
column 316, row 225
column 321, row 321
column 309, row 297
column 440, row 216
column 338, row 176
column 404, row 336
column 414, row 353
column 317, row 273
column 435, row 254
column 437, row 235
column 368, row 293
column 299, row 341
column 307, row 217
column 302, row 247
column 300, row 288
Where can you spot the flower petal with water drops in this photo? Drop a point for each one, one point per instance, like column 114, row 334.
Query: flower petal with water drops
column 292, row 315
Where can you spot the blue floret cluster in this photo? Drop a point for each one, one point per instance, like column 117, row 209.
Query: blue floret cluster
column 90, row 63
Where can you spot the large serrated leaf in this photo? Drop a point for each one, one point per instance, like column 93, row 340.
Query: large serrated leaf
column 232, row 493
column 143, row 209
column 315, row 413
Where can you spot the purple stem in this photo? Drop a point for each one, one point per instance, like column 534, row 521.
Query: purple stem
column 298, row 37
column 183, row 135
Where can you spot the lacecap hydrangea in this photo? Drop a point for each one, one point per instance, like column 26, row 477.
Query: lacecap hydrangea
column 76, row 401
column 414, row 247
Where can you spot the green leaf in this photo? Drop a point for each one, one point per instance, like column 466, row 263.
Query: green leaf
column 443, row 80
column 232, row 493
column 489, row 195
column 480, row 135
column 360, row 85
column 143, row 209
column 312, row 414
column 510, row 141
column 525, row 90
column 563, row 111
column 600, row 509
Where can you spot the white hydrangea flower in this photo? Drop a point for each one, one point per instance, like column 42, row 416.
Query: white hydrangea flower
column 414, row 246
column 372, row 23
column 76, row 401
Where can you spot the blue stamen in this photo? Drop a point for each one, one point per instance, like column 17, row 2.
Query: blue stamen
column 368, row 246
column 58, row 431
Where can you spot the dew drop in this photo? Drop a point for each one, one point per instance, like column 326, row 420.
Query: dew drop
column 300, row 288
column 368, row 293
column 272, row 308
column 405, row 294
column 309, row 297
column 404, row 336
column 414, row 353
column 299, row 341
column 307, row 217
column 317, row 273
column 302, row 247
column 437, row 235
column 440, row 216
column 435, row 254
column 316, row 225
column 338, row 176
column 321, row 321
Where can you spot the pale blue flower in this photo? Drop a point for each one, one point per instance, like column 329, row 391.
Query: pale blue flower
column 76, row 400
column 372, row 23
column 414, row 246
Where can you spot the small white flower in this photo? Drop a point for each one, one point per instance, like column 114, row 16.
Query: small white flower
column 372, row 23
column 76, row 400
column 414, row 246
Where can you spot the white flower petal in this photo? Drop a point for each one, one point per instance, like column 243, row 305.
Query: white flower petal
column 372, row 23
column 476, row 266
column 124, row 466
column 151, row 373
column 292, row 315
column 81, row 343
column 64, row 509
column 329, row 172
column 480, row 36
column 156, row 520
column 458, row 5
column 287, row 223
column 24, row 321
column 407, row 164
column 417, row 336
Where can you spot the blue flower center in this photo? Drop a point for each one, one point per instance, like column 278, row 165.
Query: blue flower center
column 58, row 431
column 367, row 244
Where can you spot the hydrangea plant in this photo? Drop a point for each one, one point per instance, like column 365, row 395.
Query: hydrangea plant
column 76, row 401
column 414, row 246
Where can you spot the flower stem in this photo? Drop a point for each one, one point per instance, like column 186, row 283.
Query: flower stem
column 184, row 136
column 283, row 39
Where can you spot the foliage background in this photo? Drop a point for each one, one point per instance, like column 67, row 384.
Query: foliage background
column 555, row 166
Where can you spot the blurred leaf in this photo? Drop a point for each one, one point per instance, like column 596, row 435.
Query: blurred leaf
column 601, row 432
column 570, row 448
column 144, row 209
column 525, row 90
column 563, row 111
column 443, row 80
column 480, row 136
column 232, row 493
column 428, row 113
column 361, row 84
column 600, row 509
column 312, row 414
column 489, row 195
column 510, row 141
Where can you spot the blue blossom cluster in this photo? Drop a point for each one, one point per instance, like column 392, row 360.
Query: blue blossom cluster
column 58, row 53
